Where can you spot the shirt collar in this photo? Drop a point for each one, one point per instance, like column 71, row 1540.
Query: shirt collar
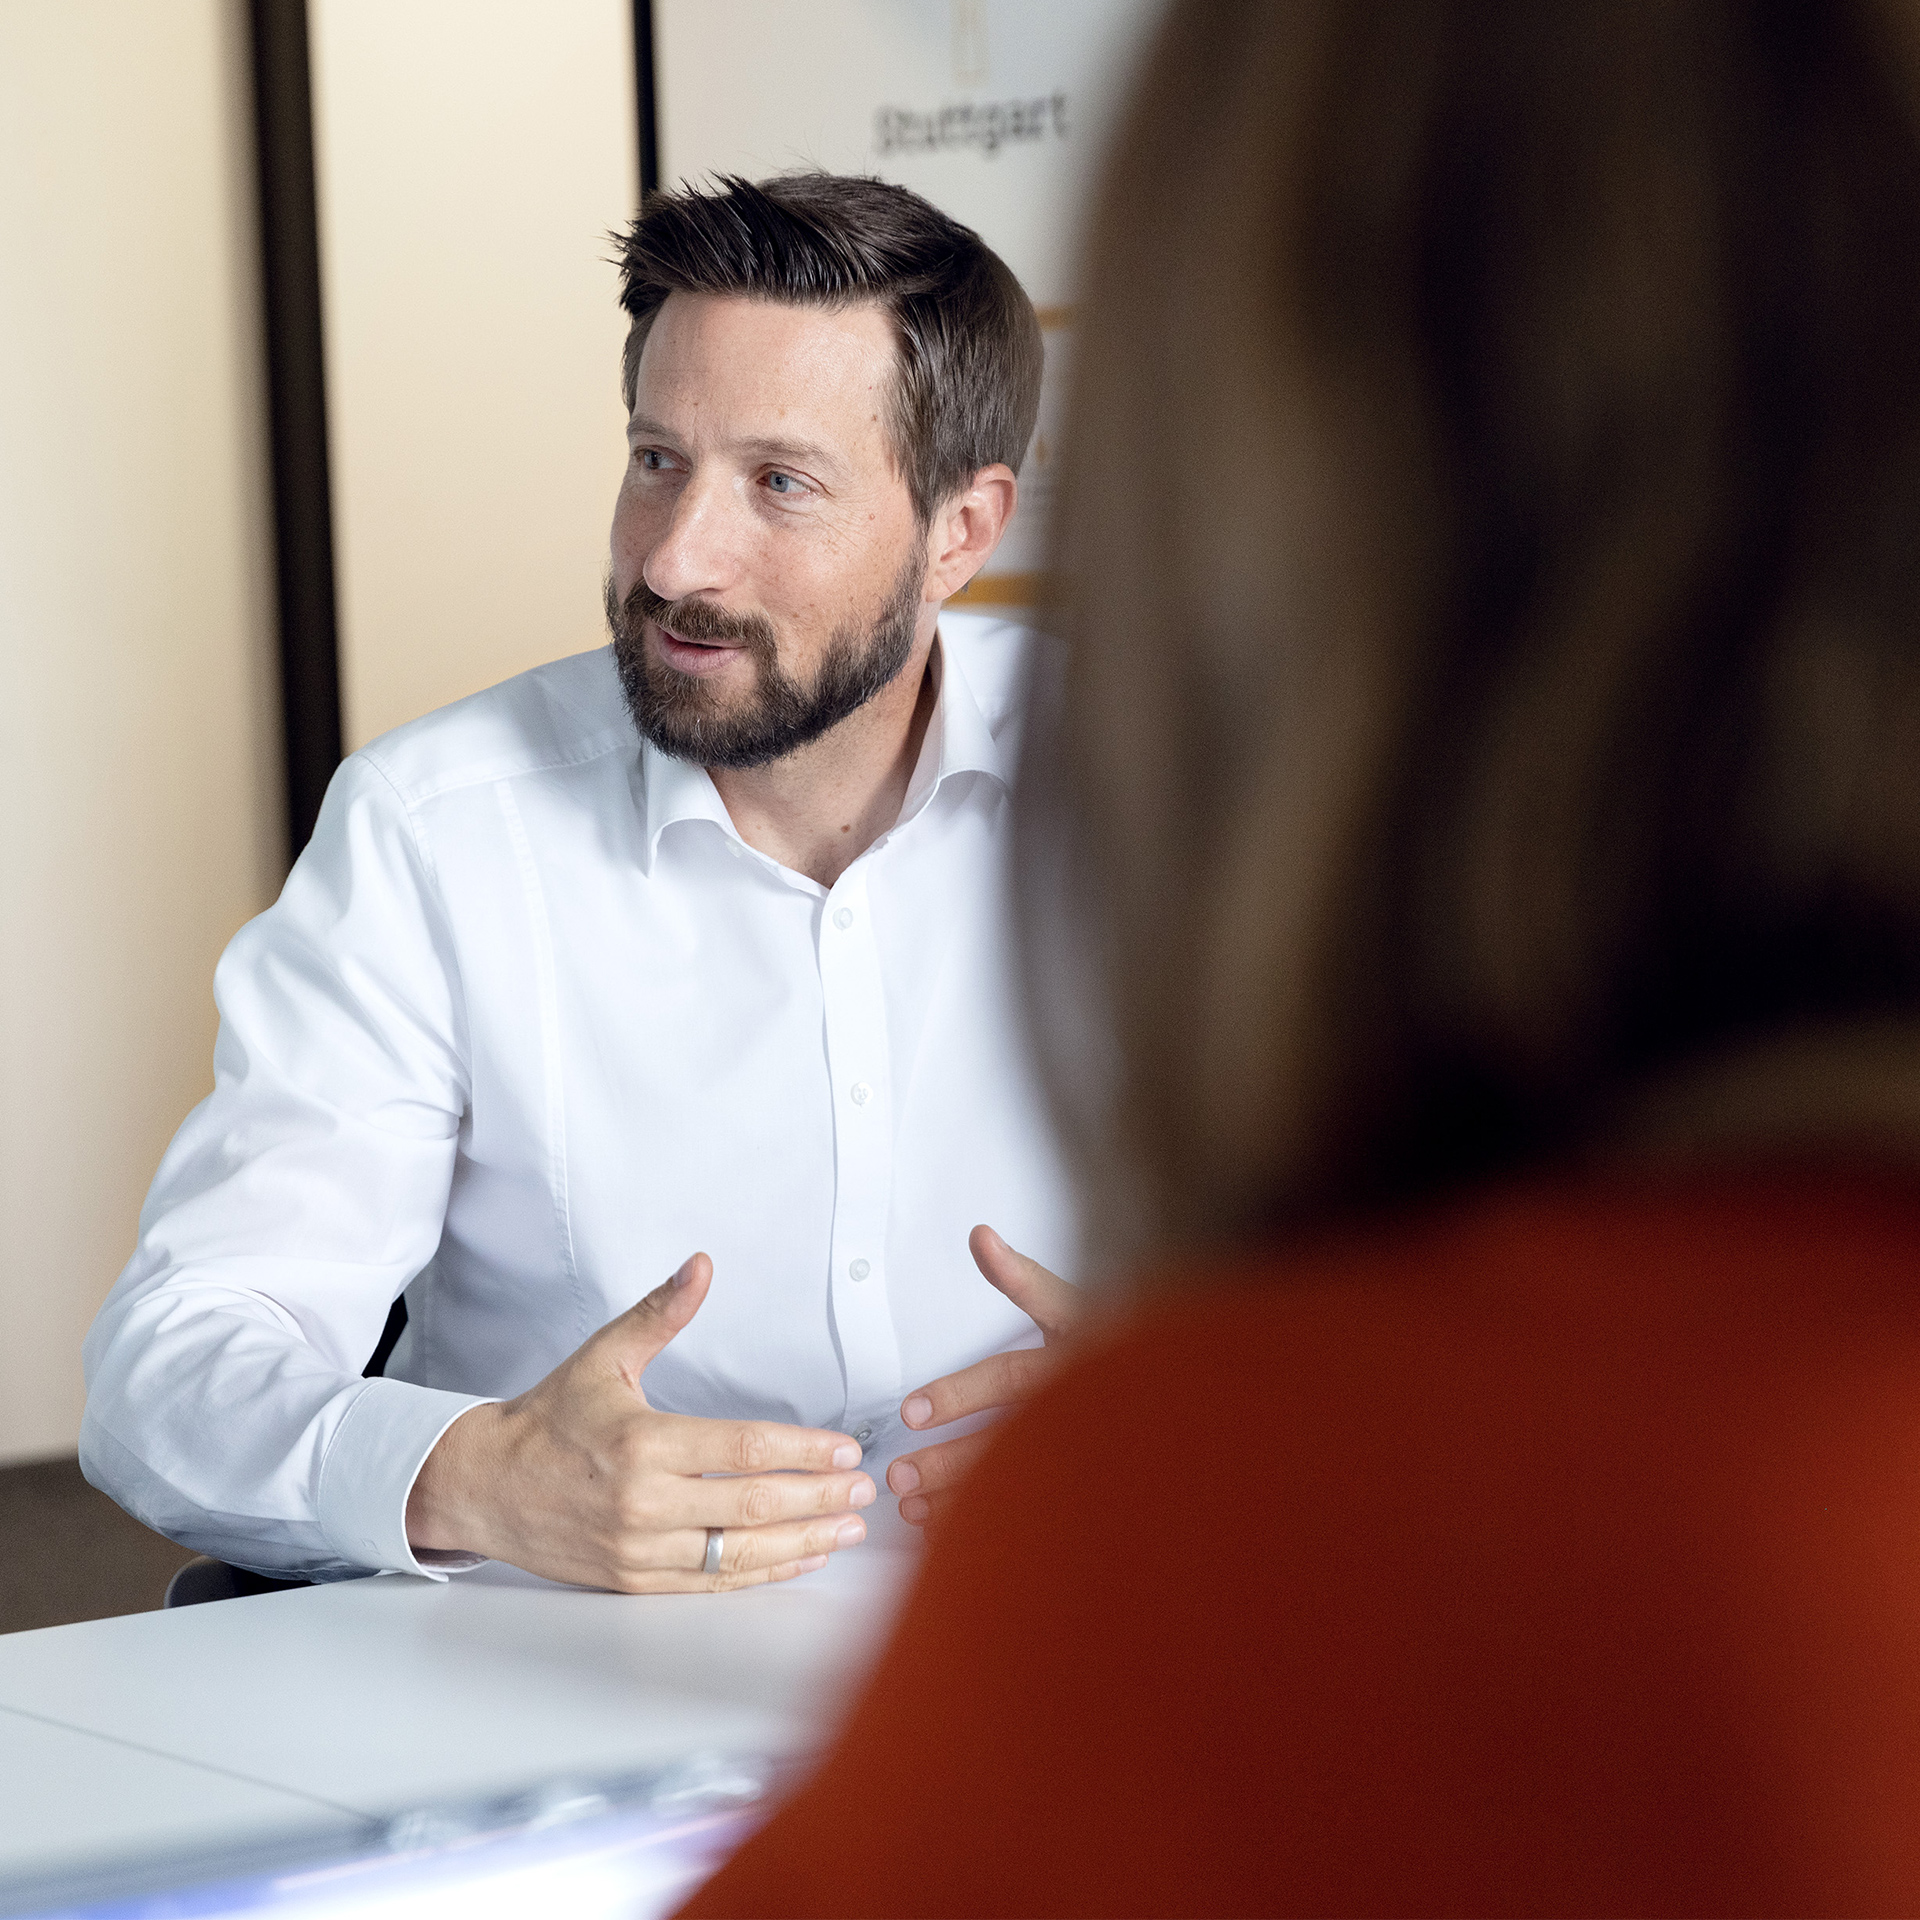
column 958, row 737
column 677, row 790
column 958, row 741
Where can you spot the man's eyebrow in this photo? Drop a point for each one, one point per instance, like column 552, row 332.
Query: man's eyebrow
column 804, row 453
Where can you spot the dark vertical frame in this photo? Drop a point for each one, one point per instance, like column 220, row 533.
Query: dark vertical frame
column 645, row 96
column 296, row 408
column 297, row 385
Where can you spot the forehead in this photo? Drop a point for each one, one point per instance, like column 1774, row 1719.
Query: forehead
column 718, row 367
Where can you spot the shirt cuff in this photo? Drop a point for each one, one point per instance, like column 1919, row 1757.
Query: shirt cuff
column 380, row 1446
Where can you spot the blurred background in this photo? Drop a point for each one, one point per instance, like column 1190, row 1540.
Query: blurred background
column 310, row 423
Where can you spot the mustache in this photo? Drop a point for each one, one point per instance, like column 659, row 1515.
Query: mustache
column 690, row 619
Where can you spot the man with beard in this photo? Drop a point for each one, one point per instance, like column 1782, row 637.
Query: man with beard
column 544, row 1008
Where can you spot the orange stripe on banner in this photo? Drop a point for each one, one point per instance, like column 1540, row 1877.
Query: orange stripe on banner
column 1003, row 590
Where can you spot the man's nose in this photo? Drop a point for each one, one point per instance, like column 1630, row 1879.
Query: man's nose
column 699, row 550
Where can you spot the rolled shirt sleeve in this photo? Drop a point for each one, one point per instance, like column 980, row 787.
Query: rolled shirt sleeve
column 225, row 1403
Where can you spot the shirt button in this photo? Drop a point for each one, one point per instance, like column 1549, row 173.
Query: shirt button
column 863, row 1434
column 736, row 849
column 843, row 918
column 860, row 1093
column 859, row 1270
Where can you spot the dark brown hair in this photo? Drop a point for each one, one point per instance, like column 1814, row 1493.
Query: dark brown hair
column 1494, row 692
column 969, row 343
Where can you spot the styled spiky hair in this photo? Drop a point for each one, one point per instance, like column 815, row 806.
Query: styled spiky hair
column 968, row 385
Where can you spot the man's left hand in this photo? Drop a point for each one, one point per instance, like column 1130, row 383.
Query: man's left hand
column 925, row 1480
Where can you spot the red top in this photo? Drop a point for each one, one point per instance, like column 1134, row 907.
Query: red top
column 1555, row 1552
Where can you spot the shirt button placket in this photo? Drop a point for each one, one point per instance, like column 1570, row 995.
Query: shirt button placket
column 857, row 1061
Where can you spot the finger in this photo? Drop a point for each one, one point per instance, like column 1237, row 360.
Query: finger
column 631, row 1339
column 743, row 1550
column 758, row 1500
column 1052, row 1304
column 934, row 1469
column 752, row 1549
column 1000, row 1380
column 686, row 1443
column 671, row 1580
column 925, row 1510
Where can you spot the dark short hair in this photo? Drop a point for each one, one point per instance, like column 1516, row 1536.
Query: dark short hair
column 969, row 343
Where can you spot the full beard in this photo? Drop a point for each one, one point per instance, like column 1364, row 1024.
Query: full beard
column 682, row 716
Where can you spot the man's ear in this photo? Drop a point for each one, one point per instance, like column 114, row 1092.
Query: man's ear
column 967, row 528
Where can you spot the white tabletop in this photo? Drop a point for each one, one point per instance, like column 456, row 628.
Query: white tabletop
column 71, row 1800
column 312, row 1710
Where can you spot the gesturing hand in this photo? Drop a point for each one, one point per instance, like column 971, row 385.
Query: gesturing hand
column 580, row 1480
column 925, row 1479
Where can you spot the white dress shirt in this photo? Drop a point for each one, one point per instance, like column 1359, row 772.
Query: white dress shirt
column 530, row 1024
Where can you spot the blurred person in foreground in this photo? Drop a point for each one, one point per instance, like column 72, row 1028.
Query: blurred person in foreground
column 1483, row 806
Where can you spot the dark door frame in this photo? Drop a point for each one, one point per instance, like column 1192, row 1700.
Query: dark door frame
column 296, row 379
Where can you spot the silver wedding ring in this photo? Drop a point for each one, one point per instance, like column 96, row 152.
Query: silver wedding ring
column 716, row 1541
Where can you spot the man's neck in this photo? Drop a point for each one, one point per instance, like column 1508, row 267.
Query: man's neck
column 818, row 810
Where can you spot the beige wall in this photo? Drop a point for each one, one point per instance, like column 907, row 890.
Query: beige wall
column 139, row 757
column 472, row 155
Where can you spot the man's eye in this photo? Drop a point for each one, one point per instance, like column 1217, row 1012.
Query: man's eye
column 652, row 459
column 783, row 483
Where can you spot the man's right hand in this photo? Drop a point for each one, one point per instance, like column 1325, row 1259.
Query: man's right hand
column 580, row 1480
